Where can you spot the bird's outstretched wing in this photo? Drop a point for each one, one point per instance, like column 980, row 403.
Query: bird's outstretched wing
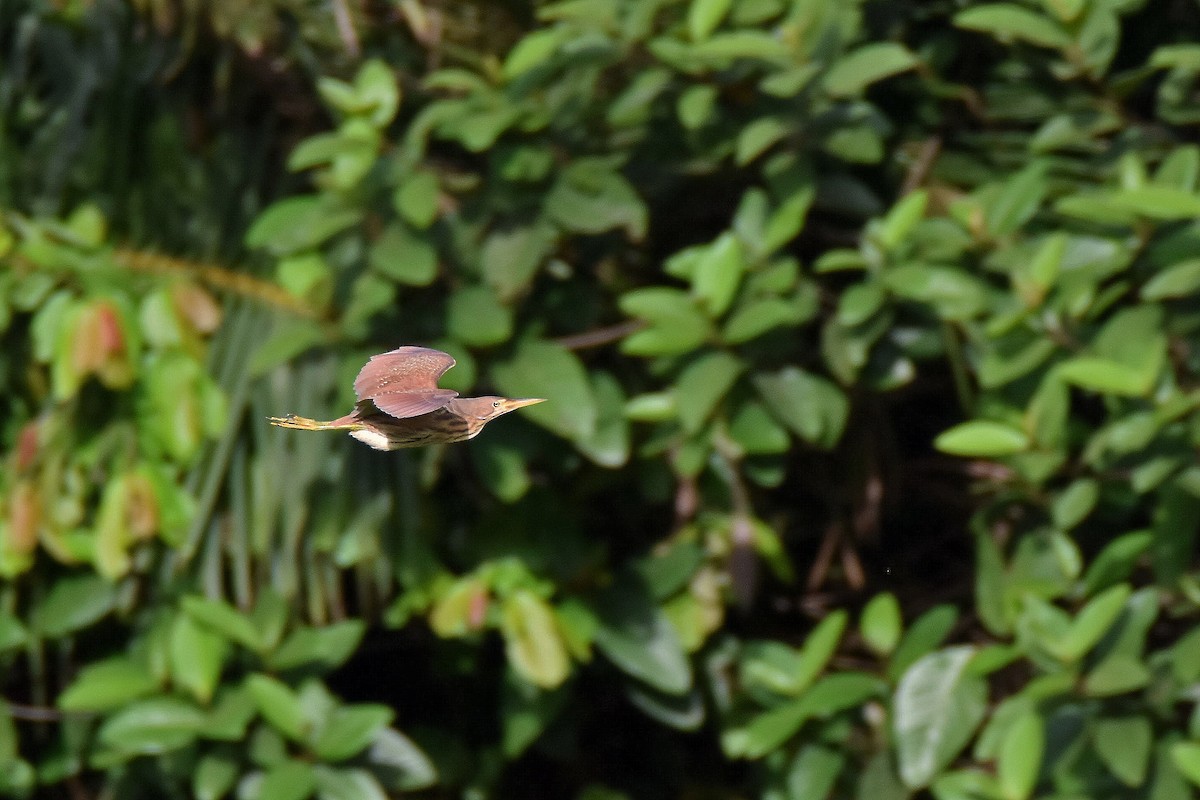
column 412, row 404
column 403, row 382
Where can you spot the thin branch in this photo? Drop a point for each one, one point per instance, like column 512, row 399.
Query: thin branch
column 218, row 277
column 345, row 26
column 41, row 713
column 918, row 171
column 600, row 336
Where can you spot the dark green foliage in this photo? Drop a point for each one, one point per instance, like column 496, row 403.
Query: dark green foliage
column 792, row 276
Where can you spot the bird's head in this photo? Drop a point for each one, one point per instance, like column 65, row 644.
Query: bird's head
column 486, row 408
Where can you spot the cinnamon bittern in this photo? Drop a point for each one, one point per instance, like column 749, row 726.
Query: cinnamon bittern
column 400, row 404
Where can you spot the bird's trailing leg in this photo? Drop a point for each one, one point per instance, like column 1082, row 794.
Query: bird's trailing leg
column 346, row 423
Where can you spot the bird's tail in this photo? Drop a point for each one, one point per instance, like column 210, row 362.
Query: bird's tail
column 346, row 423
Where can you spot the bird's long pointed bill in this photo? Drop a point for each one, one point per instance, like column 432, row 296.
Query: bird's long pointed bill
column 513, row 405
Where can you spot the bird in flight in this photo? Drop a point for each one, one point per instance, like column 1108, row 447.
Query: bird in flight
column 400, row 404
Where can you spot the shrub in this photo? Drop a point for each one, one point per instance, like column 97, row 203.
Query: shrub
column 790, row 275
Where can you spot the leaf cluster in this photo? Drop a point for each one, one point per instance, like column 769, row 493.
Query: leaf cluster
column 766, row 260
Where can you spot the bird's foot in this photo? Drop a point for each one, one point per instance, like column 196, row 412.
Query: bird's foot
column 299, row 423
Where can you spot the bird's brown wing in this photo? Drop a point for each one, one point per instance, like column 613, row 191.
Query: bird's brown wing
column 405, row 369
column 412, row 404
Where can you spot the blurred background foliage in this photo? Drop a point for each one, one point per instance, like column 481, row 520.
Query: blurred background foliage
column 869, row 335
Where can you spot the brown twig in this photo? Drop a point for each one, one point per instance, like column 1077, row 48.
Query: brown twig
column 218, row 277
column 918, row 171
column 600, row 336
column 345, row 26
column 41, row 713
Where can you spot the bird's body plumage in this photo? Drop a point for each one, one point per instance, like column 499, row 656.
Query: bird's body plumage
column 400, row 404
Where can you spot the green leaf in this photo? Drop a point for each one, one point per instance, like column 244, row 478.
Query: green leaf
column 279, row 705
column 290, row 339
column 1020, row 757
column 756, row 317
column 1017, row 200
column 1186, row 757
column 811, row 406
column 306, row 276
column 953, row 293
column 300, row 223
column 1116, row 561
column 681, row 712
column 786, row 222
column 652, row 407
column 12, row 633
column 544, row 369
column 814, row 771
column 695, row 105
column 475, row 317
column 197, row 655
column 404, row 255
column 703, row 385
column 347, row 784
column 1158, row 202
column 591, row 197
column 865, row 65
column 927, row 632
column 833, row 693
column 180, row 405
column 757, row 137
column 860, row 302
column 1005, row 361
column 1116, row 675
column 1009, row 22
column 609, row 445
column 377, row 92
column 632, row 107
column 215, row 775
column 1178, row 280
column 327, row 647
column 154, row 725
column 718, row 273
column 532, row 640
column 721, row 49
column 288, row 780
column 757, row 432
column 936, row 709
column 87, row 224
column 318, row 150
column 108, row 684
column 881, row 623
column 982, row 439
column 676, row 324
column 770, row 667
column 416, row 199
column 511, row 257
column 1075, row 503
column 502, row 467
column 900, row 221
column 636, row 636
column 73, row 602
column 525, row 713
column 231, row 714
column 704, row 16
column 1125, row 745
column 1109, row 377
column 1092, row 623
column 350, row 730
column 224, row 619
column 819, row 647
column 399, row 763
column 533, row 50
